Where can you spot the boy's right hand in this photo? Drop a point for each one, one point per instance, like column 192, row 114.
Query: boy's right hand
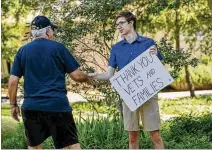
column 92, row 75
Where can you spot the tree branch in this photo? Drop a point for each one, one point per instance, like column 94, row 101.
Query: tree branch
column 91, row 49
column 104, row 25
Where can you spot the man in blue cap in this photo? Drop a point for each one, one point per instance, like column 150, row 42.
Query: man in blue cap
column 46, row 110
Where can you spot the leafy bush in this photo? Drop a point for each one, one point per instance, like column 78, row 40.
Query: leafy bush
column 192, row 129
column 206, row 59
column 8, row 125
column 201, row 76
column 15, row 139
column 98, row 106
column 181, row 132
column 198, row 105
column 191, row 132
column 4, row 80
column 102, row 133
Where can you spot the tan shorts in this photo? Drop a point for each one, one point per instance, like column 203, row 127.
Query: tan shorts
column 148, row 112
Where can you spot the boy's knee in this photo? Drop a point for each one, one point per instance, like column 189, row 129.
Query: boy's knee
column 133, row 136
column 155, row 136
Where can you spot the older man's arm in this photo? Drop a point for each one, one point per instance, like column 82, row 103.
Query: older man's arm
column 12, row 92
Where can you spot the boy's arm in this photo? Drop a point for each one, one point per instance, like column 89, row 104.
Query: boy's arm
column 103, row 76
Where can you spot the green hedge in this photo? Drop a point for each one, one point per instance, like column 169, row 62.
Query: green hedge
column 201, row 77
column 178, row 133
column 198, row 105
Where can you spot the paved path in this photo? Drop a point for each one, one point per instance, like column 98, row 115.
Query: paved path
column 174, row 95
column 74, row 97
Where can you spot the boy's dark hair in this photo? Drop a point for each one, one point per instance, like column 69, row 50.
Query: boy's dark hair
column 129, row 17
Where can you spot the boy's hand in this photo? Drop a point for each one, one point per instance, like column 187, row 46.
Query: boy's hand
column 153, row 50
column 92, row 75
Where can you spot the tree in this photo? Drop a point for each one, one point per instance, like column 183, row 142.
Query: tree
column 88, row 31
column 11, row 29
column 14, row 14
column 86, row 28
column 176, row 18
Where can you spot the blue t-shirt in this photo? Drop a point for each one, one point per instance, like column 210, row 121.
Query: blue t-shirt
column 123, row 53
column 44, row 63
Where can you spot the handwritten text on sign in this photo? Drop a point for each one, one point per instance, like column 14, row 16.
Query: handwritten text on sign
column 141, row 79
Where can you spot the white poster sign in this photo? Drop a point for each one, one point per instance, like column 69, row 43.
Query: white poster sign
column 141, row 79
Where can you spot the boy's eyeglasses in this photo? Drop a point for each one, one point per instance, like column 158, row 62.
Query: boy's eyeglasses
column 121, row 23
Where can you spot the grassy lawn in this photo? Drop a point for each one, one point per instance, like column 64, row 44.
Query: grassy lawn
column 176, row 107
column 8, row 125
column 187, row 105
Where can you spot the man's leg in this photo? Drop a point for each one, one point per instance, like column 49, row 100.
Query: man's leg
column 63, row 130
column 133, row 139
column 36, row 130
column 156, row 139
column 74, row 146
column 40, row 146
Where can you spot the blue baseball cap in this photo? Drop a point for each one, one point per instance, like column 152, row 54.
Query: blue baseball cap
column 40, row 22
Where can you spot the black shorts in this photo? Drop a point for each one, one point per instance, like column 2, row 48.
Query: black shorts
column 39, row 125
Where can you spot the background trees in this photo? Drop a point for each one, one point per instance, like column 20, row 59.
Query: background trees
column 181, row 27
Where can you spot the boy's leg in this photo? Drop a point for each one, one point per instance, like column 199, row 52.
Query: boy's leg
column 156, row 139
column 131, row 124
column 151, row 121
column 133, row 139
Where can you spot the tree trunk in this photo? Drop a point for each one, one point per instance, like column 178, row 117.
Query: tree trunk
column 8, row 67
column 189, row 82
column 210, row 4
column 177, row 40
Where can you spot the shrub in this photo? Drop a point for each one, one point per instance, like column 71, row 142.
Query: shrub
column 15, row 139
column 190, row 132
column 107, row 133
column 201, row 77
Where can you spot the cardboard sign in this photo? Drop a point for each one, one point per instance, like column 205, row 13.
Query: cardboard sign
column 141, row 79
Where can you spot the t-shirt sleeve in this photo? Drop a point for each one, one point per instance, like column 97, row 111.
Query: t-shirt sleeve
column 69, row 61
column 112, row 60
column 16, row 67
column 159, row 53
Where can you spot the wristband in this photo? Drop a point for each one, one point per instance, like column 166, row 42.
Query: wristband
column 13, row 105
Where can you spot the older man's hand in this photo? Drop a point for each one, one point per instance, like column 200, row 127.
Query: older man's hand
column 15, row 112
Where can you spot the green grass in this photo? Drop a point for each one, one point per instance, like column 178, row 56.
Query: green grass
column 187, row 105
column 5, row 110
column 8, row 125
